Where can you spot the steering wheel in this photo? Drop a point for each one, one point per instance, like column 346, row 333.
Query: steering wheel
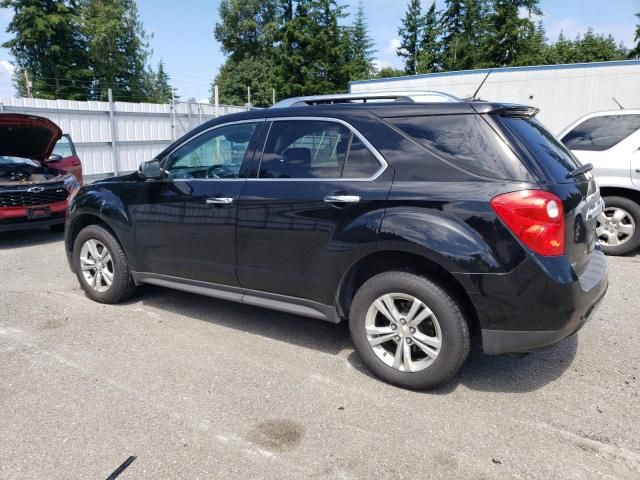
column 220, row 171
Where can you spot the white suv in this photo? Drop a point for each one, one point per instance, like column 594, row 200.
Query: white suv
column 611, row 142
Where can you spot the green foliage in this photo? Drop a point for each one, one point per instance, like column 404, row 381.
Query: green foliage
column 236, row 75
column 359, row 48
column 48, row 46
column 158, row 87
column 389, row 72
column 117, row 46
column 409, row 33
column 429, row 53
column 591, row 47
column 635, row 52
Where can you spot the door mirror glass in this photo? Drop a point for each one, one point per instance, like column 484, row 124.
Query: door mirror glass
column 151, row 169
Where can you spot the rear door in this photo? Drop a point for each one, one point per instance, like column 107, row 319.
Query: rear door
column 69, row 161
column 313, row 207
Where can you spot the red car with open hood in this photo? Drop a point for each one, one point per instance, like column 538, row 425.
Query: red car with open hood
column 36, row 182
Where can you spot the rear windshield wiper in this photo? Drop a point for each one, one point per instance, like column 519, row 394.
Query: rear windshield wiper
column 580, row 170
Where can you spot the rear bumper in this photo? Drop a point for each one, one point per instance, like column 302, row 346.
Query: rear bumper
column 538, row 304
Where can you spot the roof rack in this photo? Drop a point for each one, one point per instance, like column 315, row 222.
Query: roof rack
column 394, row 96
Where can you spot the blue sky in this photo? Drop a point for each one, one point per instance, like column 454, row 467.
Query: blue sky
column 183, row 33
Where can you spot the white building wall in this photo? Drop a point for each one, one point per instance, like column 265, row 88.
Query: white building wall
column 563, row 93
column 142, row 130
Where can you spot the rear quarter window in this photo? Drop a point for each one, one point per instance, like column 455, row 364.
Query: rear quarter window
column 601, row 133
column 466, row 141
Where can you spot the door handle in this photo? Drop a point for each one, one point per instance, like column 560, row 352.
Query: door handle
column 220, row 201
column 342, row 199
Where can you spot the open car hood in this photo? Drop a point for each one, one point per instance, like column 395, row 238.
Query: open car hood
column 27, row 136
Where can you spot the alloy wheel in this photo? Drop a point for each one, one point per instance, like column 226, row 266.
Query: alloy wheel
column 615, row 227
column 96, row 265
column 403, row 332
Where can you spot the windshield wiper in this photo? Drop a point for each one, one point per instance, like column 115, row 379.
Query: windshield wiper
column 580, row 170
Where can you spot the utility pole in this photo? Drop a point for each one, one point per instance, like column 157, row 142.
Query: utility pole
column 216, row 100
column 249, row 97
column 27, row 84
column 273, row 96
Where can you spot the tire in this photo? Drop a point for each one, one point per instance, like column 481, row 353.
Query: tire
column 447, row 322
column 115, row 266
column 630, row 221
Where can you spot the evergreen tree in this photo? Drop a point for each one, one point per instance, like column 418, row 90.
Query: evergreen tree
column 236, row 75
column 48, row 46
column 510, row 36
column 311, row 54
column 409, row 33
column 117, row 48
column 591, row 47
column 635, row 52
column 429, row 47
column 159, row 88
column 464, row 29
column 389, row 72
column 359, row 47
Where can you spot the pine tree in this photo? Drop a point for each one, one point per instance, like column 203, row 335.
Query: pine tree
column 635, row 52
column 117, row 48
column 510, row 35
column 591, row 47
column 159, row 88
column 359, row 48
column 464, row 32
column 429, row 46
column 409, row 33
column 47, row 45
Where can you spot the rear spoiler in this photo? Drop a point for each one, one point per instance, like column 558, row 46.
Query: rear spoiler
column 506, row 109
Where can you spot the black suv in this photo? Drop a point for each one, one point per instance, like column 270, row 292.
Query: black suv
column 425, row 224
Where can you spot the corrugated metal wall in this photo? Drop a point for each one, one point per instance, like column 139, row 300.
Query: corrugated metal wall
column 562, row 92
column 142, row 130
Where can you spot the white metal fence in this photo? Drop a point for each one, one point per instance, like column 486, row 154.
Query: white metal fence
column 115, row 137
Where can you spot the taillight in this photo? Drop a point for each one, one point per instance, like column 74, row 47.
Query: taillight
column 536, row 217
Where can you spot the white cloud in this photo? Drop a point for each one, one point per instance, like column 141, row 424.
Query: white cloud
column 6, row 78
column 392, row 46
column 379, row 64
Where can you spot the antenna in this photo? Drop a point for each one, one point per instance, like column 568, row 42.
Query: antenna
column 473, row 97
column 617, row 103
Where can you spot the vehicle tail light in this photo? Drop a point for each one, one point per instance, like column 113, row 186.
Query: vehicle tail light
column 536, row 217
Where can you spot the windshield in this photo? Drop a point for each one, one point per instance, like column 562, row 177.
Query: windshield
column 10, row 161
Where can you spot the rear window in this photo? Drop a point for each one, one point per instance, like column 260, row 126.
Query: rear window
column 466, row 141
column 601, row 133
column 546, row 150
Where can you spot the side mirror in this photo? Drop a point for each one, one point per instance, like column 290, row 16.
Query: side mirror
column 54, row 158
column 151, row 170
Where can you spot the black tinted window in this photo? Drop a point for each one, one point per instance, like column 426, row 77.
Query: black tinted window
column 315, row 149
column 466, row 141
column 601, row 133
column 551, row 155
column 361, row 163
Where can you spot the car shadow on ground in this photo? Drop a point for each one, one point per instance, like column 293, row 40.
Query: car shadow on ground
column 480, row 372
column 29, row 238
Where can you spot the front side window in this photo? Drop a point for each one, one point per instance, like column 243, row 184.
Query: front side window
column 601, row 133
column 315, row 149
column 218, row 153
column 63, row 148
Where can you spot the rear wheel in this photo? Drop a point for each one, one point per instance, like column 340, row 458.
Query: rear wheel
column 101, row 266
column 617, row 227
column 408, row 330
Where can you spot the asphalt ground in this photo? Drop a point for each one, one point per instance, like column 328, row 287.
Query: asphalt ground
column 198, row 388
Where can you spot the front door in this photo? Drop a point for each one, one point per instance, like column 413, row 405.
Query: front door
column 314, row 206
column 185, row 223
column 69, row 161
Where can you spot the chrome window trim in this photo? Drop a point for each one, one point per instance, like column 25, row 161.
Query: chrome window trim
column 207, row 130
column 383, row 163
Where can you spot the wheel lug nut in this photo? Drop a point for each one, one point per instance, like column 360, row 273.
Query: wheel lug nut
column 393, row 327
column 412, row 330
column 397, row 338
column 409, row 341
column 403, row 321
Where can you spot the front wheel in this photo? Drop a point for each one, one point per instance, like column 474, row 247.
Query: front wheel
column 101, row 266
column 408, row 330
column 617, row 227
